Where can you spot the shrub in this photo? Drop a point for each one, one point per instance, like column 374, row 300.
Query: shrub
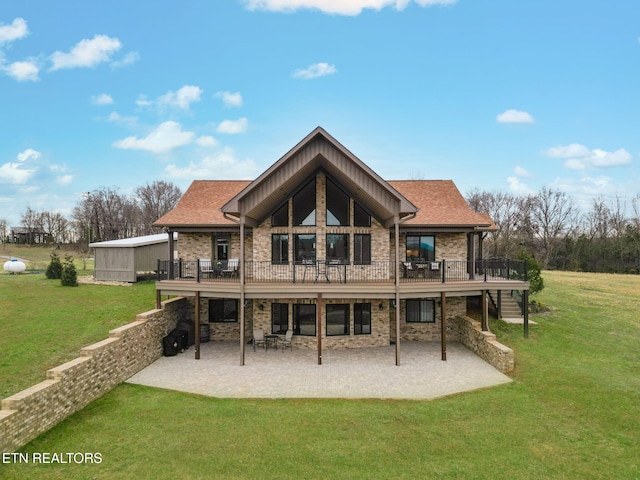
column 534, row 273
column 54, row 270
column 69, row 276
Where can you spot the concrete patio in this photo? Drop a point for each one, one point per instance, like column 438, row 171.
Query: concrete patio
column 347, row 373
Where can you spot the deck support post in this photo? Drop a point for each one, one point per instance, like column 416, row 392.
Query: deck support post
column 397, row 274
column 443, row 327
column 319, row 326
column 485, row 312
column 499, row 300
column 525, row 308
column 242, row 305
column 197, row 325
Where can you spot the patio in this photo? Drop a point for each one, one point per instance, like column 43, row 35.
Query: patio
column 347, row 373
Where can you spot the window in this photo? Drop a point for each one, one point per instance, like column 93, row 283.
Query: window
column 421, row 311
column 337, row 205
column 222, row 249
column 279, row 317
column 279, row 248
column 360, row 217
column 304, row 319
column 223, row 310
column 337, row 319
column 338, row 247
column 421, row 248
column 281, row 216
column 304, row 205
column 362, row 249
column 362, row 319
column 304, row 247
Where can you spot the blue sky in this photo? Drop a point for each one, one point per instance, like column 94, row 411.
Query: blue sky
column 501, row 95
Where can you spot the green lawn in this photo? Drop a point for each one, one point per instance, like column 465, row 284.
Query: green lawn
column 572, row 412
column 43, row 324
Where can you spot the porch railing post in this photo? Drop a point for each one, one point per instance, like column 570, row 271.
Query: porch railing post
column 484, row 267
column 444, row 271
column 198, row 270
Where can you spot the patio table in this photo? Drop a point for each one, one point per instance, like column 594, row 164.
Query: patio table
column 271, row 339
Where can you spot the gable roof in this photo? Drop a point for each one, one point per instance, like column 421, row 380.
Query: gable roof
column 319, row 151
column 423, row 203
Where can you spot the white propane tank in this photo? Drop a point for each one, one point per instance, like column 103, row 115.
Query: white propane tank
column 14, row 266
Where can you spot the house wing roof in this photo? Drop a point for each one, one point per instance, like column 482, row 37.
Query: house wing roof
column 318, row 151
column 200, row 205
column 440, row 204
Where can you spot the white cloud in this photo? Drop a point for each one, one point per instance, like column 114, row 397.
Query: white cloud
column 87, row 53
column 17, row 172
column 182, row 98
column 142, row 101
column 230, row 99
column 23, row 71
column 64, row 179
column 18, row 29
column 514, row 116
column 29, row 154
column 129, row 59
column 522, row 172
column 206, row 141
column 586, row 188
column 224, row 163
column 164, row 138
column 102, row 99
column 516, row 186
column 233, row 126
column 339, row 7
column 316, row 70
column 579, row 157
column 115, row 117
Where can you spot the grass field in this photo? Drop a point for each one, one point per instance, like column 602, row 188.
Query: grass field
column 572, row 412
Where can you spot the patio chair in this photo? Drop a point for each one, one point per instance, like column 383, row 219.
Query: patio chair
column 286, row 341
column 258, row 338
column 409, row 271
column 232, row 268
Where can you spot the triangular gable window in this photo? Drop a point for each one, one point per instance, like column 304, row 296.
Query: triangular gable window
column 304, row 205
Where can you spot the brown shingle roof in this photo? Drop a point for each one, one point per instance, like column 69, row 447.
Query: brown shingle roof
column 201, row 203
column 439, row 201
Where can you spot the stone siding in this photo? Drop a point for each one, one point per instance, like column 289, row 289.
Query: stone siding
column 485, row 345
column 73, row 385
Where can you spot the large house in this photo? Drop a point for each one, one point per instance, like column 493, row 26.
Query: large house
column 321, row 245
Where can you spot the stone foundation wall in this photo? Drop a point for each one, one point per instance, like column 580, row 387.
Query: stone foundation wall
column 73, row 385
column 485, row 345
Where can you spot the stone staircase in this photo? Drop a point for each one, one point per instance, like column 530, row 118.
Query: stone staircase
column 511, row 312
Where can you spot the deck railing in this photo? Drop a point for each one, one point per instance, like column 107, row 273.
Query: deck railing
column 321, row 271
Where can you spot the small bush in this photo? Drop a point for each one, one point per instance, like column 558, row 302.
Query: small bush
column 54, row 270
column 69, row 276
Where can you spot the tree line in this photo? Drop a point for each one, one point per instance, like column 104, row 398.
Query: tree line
column 549, row 227
column 100, row 215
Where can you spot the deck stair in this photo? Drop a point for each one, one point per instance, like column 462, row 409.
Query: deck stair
column 511, row 311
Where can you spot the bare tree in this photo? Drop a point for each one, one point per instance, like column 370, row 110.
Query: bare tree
column 553, row 216
column 32, row 222
column 154, row 201
column 504, row 210
column 54, row 225
column 3, row 230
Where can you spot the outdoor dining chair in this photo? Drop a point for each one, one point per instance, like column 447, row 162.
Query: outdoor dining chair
column 258, row 338
column 286, row 341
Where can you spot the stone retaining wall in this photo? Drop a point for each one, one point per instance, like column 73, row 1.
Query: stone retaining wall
column 73, row 385
column 485, row 345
